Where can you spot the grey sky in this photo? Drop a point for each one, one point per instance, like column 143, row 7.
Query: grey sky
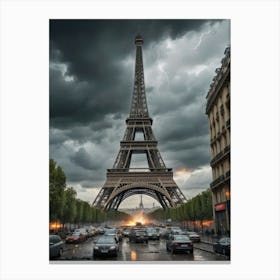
column 91, row 80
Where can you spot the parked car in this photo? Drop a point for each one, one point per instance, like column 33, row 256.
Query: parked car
column 56, row 246
column 106, row 245
column 76, row 237
column 222, row 246
column 179, row 243
column 152, row 234
column 194, row 237
column 82, row 231
column 138, row 235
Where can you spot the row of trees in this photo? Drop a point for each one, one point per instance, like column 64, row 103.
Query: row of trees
column 199, row 208
column 65, row 207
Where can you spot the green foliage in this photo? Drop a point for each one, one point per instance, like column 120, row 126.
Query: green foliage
column 197, row 208
column 70, row 207
column 57, row 185
column 66, row 208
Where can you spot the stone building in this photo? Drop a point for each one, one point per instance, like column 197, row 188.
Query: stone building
column 218, row 111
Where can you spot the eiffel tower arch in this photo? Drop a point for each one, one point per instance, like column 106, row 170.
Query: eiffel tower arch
column 123, row 181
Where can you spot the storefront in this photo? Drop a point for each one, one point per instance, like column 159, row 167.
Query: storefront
column 221, row 218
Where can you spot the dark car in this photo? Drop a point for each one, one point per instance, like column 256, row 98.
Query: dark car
column 106, row 245
column 115, row 233
column 138, row 235
column 152, row 234
column 222, row 246
column 179, row 243
column 194, row 237
column 55, row 244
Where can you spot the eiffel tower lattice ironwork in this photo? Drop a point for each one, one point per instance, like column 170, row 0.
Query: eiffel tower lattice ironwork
column 155, row 181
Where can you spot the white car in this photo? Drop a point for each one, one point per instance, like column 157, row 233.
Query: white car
column 194, row 237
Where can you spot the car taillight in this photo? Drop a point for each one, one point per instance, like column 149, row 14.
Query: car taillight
column 191, row 243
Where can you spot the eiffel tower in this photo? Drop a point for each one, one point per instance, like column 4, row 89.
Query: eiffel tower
column 155, row 181
column 141, row 205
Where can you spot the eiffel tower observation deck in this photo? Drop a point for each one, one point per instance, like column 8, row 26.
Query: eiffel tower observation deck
column 123, row 181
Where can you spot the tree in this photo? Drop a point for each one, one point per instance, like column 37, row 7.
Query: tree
column 57, row 185
column 70, row 208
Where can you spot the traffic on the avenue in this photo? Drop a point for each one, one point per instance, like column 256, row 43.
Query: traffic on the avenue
column 138, row 242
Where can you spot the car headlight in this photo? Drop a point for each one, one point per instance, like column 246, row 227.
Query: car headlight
column 112, row 247
column 96, row 247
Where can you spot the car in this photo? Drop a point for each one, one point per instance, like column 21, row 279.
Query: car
column 165, row 233
column 194, row 237
column 56, row 246
column 76, row 237
column 176, row 230
column 126, row 232
column 113, row 232
column 152, row 234
column 138, row 235
column 106, row 245
column 82, row 231
column 222, row 246
column 179, row 243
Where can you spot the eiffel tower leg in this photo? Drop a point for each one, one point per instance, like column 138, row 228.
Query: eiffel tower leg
column 161, row 200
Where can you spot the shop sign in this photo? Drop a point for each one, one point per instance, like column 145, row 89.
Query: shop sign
column 220, row 206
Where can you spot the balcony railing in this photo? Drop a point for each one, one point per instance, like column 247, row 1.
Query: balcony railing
column 216, row 158
column 217, row 182
column 220, row 155
column 227, row 149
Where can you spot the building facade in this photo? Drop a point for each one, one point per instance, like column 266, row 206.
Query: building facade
column 218, row 111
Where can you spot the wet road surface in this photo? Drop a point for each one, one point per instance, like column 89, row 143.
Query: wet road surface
column 153, row 251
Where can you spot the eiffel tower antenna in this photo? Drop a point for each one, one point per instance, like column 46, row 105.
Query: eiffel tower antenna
column 122, row 180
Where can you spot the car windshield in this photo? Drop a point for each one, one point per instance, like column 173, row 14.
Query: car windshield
column 106, row 239
column 76, row 233
column 181, row 238
column 192, row 232
column 54, row 238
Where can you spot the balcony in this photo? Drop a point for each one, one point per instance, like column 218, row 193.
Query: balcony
column 216, row 158
column 227, row 149
column 217, row 182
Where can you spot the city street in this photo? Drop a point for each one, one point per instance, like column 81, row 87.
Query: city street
column 153, row 251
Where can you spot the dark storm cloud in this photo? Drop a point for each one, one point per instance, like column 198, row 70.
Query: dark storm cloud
column 92, row 50
column 91, row 82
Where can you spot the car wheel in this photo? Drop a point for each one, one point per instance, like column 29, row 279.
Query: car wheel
column 224, row 252
column 172, row 251
column 146, row 241
column 191, row 251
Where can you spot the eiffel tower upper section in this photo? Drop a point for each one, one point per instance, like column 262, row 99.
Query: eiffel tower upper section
column 139, row 121
column 122, row 180
column 139, row 107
